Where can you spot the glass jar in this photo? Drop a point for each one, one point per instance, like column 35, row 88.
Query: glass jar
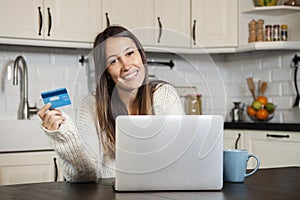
column 276, row 33
column 268, row 33
column 284, row 32
column 194, row 104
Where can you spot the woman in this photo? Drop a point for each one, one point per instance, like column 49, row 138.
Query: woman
column 87, row 148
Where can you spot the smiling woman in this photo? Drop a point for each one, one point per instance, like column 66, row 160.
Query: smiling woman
column 124, row 64
column 87, row 147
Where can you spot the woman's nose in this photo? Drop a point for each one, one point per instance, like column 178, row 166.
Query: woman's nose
column 125, row 63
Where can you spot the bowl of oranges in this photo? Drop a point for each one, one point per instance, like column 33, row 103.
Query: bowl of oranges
column 261, row 110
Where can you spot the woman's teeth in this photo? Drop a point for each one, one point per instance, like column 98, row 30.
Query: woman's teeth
column 130, row 76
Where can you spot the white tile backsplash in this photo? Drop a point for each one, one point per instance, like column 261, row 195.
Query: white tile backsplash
column 220, row 81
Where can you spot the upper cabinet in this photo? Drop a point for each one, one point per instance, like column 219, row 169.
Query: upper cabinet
column 185, row 26
column 135, row 15
column 155, row 22
column 214, row 24
column 67, row 21
column 172, row 22
column 271, row 15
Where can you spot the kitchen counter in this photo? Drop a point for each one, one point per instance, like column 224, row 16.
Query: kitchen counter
column 273, row 183
column 263, row 126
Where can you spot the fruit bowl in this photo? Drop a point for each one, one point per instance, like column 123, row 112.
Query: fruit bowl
column 266, row 2
column 253, row 118
column 261, row 110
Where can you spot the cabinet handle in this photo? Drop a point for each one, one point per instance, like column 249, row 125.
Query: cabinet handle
column 49, row 22
column 55, row 170
column 194, row 32
column 237, row 141
column 278, row 136
column 40, row 20
column 107, row 20
column 160, row 29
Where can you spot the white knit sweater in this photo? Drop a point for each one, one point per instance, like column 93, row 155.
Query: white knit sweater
column 79, row 146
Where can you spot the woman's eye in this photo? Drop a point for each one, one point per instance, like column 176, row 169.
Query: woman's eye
column 112, row 61
column 130, row 53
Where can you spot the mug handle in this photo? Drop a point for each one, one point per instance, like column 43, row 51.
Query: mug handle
column 257, row 165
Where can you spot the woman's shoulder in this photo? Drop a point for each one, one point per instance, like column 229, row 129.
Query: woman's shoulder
column 162, row 87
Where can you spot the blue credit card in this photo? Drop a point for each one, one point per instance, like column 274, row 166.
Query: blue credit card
column 57, row 98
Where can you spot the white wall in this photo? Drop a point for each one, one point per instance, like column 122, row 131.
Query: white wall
column 224, row 81
column 220, row 81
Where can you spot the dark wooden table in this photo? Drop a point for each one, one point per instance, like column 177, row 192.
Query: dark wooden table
column 278, row 183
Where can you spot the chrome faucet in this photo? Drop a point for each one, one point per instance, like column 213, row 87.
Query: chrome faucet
column 24, row 110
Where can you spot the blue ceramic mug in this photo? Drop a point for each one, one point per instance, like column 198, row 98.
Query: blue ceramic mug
column 235, row 165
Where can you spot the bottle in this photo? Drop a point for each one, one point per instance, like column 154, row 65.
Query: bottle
column 259, row 30
column 284, row 32
column 268, row 33
column 276, row 32
column 252, row 31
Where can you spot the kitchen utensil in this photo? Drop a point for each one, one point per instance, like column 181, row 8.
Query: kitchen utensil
column 251, row 86
column 258, row 88
column 264, row 86
column 295, row 66
column 237, row 112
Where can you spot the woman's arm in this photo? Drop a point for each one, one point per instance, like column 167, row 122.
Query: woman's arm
column 78, row 146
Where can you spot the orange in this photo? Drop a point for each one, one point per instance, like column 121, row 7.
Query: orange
column 262, row 114
column 262, row 99
column 251, row 111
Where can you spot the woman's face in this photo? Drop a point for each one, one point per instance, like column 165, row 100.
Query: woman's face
column 124, row 63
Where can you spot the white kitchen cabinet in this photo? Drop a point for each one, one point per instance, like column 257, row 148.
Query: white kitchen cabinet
column 172, row 22
column 29, row 167
column 155, row 22
column 67, row 20
column 279, row 14
column 214, row 23
column 233, row 139
column 136, row 15
column 274, row 148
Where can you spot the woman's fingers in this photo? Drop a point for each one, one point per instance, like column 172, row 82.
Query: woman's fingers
column 43, row 110
column 52, row 119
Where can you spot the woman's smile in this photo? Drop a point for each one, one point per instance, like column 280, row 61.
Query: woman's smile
column 131, row 75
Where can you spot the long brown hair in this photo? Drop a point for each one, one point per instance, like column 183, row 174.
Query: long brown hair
column 109, row 105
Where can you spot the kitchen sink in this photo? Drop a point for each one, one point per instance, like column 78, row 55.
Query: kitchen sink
column 22, row 135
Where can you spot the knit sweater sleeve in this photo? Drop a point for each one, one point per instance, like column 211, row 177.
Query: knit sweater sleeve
column 166, row 101
column 78, row 146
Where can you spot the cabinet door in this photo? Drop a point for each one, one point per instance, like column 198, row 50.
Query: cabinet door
column 233, row 139
column 274, row 148
column 72, row 20
column 18, row 168
column 20, row 19
column 173, row 16
column 215, row 23
column 136, row 15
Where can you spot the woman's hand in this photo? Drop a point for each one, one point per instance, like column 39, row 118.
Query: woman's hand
column 52, row 119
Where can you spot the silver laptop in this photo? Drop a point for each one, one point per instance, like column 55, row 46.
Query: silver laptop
column 181, row 152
